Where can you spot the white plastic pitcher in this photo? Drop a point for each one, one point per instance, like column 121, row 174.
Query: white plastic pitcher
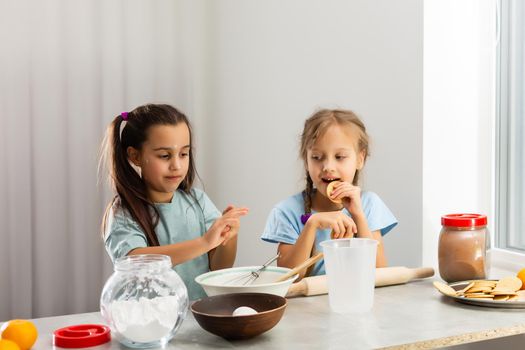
column 350, row 265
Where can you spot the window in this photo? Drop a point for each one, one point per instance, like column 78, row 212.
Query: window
column 510, row 128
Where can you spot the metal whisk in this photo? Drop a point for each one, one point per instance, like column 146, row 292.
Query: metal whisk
column 250, row 277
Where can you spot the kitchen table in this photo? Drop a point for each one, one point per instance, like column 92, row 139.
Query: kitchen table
column 412, row 316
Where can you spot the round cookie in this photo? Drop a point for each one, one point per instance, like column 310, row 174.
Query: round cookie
column 330, row 189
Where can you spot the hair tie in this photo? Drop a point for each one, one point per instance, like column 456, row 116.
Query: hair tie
column 305, row 217
column 124, row 115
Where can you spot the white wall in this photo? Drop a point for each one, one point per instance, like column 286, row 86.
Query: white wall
column 460, row 39
column 272, row 63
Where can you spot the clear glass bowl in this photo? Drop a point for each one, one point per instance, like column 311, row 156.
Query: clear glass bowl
column 144, row 301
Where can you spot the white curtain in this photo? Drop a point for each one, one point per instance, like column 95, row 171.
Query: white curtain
column 66, row 69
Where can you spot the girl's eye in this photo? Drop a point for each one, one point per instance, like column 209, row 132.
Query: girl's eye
column 184, row 154
column 164, row 156
column 316, row 157
column 340, row 157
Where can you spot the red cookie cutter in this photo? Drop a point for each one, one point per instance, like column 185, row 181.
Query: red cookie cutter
column 81, row 336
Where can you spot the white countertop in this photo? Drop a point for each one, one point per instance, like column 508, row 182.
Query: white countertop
column 413, row 315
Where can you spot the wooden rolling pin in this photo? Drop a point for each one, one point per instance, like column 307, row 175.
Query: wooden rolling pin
column 385, row 276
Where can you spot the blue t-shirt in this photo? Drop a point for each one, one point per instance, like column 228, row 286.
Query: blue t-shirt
column 185, row 218
column 284, row 222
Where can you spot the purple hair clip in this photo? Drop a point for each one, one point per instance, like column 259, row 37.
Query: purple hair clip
column 124, row 116
column 305, row 217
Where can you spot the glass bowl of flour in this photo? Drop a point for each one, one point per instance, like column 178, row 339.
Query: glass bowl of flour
column 144, row 301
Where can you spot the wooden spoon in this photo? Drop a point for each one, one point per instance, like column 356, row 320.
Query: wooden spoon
column 310, row 261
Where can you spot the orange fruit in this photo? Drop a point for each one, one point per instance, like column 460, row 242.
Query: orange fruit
column 521, row 276
column 22, row 332
column 8, row 345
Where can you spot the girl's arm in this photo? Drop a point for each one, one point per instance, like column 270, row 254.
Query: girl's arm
column 381, row 256
column 364, row 232
column 223, row 256
column 178, row 252
column 351, row 197
column 292, row 255
column 223, row 231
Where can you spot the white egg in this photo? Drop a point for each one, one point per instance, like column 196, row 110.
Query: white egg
column 243, row 311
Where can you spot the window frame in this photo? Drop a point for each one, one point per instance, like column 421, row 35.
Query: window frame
column 510, row 112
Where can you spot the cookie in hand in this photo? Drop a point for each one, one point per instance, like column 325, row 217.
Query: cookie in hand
column 330, row 189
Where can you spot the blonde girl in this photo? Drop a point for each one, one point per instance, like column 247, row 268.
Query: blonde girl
column 334, row 147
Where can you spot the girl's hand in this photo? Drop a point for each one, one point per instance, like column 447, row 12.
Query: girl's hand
column 350, row 195
column 341, row 224
column 225, row 227
column 232, row 230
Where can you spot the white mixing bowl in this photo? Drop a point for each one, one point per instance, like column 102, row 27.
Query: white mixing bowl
column 231, row 281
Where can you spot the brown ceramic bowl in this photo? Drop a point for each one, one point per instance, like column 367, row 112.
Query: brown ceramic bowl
column 214, row 314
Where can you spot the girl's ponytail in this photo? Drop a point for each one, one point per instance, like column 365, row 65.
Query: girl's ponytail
column 131, row 190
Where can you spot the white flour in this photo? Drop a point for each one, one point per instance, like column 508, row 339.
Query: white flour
column 145, row 320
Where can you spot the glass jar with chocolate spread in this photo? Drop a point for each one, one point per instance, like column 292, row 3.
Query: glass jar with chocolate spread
column 463, row 244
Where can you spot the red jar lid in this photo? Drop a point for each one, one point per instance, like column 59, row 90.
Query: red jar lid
column 464, row 220
column 81, row 336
